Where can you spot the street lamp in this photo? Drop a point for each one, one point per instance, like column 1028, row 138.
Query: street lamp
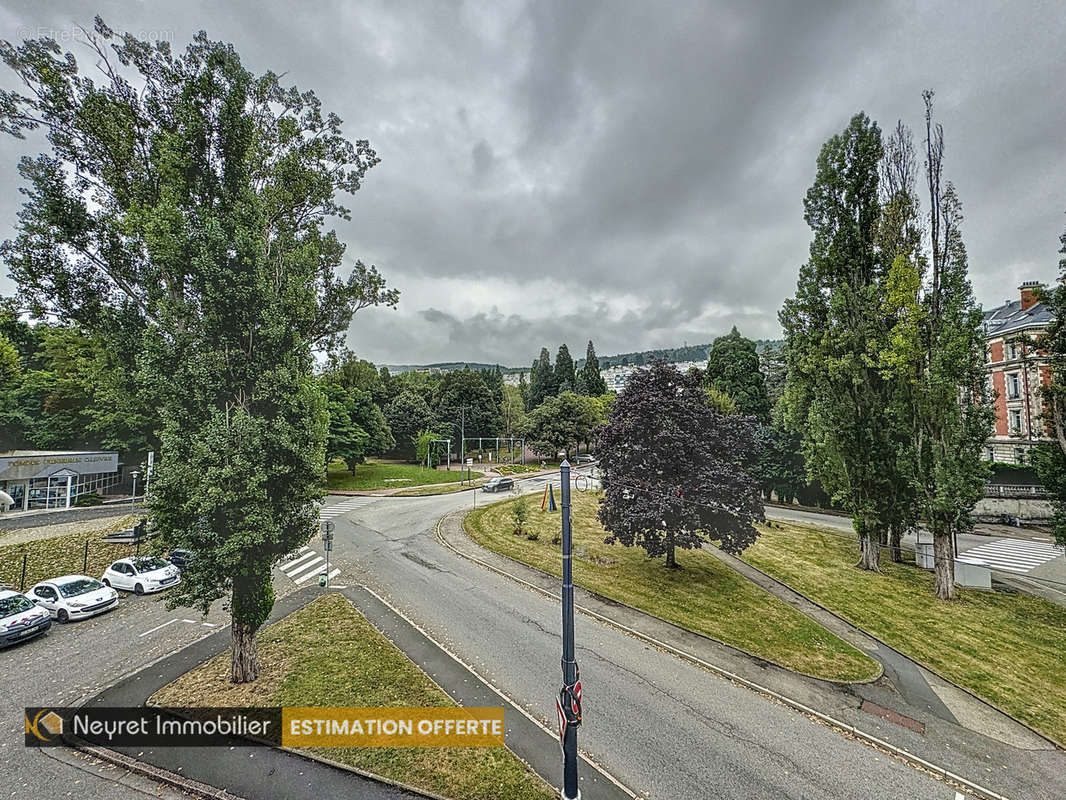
column 568, row 704
column 134, row 474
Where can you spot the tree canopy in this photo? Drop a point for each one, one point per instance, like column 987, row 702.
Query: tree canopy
column 733, row 368
column 184, row 201
column 675, row 472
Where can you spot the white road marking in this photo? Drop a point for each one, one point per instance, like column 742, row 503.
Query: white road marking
column 310, row 565
column 292, row 565
column 313, row 574
column 158, row 627
column 1011, row 555
column 210, row 624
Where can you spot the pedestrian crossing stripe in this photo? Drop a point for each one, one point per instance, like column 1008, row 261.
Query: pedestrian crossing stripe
column 337, row 509
column 1011, row 555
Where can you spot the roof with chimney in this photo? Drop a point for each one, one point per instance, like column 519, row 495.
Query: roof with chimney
column 1011, row 317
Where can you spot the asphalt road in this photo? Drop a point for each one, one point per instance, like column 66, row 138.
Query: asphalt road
column 663, row 727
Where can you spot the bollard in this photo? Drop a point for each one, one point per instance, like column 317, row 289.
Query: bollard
column 85, row 558
column 22, row 580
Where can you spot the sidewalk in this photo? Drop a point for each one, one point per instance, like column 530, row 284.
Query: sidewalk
column 907, row 708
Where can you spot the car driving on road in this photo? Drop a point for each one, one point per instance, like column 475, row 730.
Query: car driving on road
column 499, row 484
column 20, row 619
column 142, row 574
column 73, row 597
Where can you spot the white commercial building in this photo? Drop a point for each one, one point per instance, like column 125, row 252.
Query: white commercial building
column 47, row 479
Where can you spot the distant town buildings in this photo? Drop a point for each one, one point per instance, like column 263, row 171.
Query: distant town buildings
column 614, row 377
column 1016, row 373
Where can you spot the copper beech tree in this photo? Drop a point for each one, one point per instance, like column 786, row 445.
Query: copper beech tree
column 676, row 473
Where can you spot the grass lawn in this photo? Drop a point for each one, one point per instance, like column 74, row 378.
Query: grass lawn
column 63, row 555
column 704, row 596
column 327, row 654
column 387, row 475
column 1006, row 648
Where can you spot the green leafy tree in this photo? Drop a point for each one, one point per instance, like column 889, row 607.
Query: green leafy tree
column 565, row 375
column 348, row 370
column 773, row 364
column 835, row 395
column 935, row 358
column 733, row 368
column 1050, row 459
column 465, row 403
column 779, row 467
column 523, row 390
column 512, row 412
column 541, row 380
column 561, row 423
column 197, row 202
column 676, row 473
column 722, row 401
column 592, row 382
column 357, row 428
column 407, row 414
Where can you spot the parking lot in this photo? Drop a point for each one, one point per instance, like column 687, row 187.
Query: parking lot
column 72, row 662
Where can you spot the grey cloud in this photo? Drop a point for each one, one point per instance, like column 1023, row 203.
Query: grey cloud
column 626, row 150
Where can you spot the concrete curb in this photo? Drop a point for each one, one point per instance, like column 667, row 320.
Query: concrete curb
column 921, row 664
column 157, row 774
column 868, row 738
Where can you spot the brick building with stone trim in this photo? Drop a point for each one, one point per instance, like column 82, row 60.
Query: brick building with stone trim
column 1016, row 373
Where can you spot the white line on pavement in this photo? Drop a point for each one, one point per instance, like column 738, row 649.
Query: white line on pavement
column 304, row 567
column 157, row 627
column 292, row 565
column 308, row 577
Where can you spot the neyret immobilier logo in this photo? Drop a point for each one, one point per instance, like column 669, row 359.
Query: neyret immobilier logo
column 290, row 727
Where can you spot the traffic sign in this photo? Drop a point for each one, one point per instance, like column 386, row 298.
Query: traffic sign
column 328, row 527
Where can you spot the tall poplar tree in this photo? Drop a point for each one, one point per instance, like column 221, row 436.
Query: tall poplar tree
column 835, row 396
column 541, row 379
column 935, row 359
column 193, row 195
column 592, row 381
column 565, row 375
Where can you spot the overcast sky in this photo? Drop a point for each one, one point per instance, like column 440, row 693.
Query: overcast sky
column 627, row 172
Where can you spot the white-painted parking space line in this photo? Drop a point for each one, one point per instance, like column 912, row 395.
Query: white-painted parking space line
column 310, row 565
column 291, row 566
column 1011, row 555
column 158, row 627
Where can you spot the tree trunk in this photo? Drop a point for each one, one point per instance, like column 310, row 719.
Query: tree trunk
column 869, row 547
column 944, row 566
column 244, row 657
column 671, row 562
column 894, row 536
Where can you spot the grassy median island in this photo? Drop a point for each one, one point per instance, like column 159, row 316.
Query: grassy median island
column 704, row 596
column 389, row 475
column 327, row 654
column 1006, row 648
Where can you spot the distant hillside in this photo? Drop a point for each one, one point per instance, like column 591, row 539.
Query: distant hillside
column 693, row 352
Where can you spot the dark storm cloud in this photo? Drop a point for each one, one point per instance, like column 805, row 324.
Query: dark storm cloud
column 632, row 172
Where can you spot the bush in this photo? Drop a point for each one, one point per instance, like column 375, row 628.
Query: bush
column 89, row 499
column 520, row 514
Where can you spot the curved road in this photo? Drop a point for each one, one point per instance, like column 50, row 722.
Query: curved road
column 663, row 727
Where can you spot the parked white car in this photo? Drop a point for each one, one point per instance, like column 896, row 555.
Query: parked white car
column 20, row 619
column 142, row 574
column 73, row 597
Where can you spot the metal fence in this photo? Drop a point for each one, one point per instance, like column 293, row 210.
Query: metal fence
column 23, row 565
